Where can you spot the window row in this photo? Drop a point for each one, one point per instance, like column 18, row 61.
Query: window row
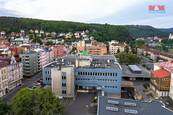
column 96, row 79
column 48, row 79
column 48, row 72
column 96, row 74
column 110, row 86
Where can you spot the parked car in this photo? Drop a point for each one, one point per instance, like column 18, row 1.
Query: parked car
column 32, row 86
column 39, row 81
column 36, row 84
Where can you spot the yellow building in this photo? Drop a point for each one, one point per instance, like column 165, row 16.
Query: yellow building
column 3, row 80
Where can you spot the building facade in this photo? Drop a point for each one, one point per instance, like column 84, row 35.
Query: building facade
column 169, row 67
column 85, row 72
column 3, row 81
column 30, row 63
column 58, row 51
column 160, row 82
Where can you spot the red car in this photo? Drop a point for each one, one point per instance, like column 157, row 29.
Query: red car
column 39, row 81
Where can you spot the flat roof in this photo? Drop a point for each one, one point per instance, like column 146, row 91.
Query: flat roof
column 116, row 106
column 97, row 61
column 127, row 73
column 134, row 68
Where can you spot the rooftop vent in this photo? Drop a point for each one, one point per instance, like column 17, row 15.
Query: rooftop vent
column 130, row 111
column 113, row 102
column 130, row 104
column 111, row 108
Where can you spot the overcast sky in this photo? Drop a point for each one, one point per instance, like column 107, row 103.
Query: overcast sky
column 117, row 12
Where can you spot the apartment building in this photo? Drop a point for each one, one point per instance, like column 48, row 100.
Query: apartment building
column 15, row 74
column 168, row 66
column 30, row 63
column 3, row 79
column 58, row 51
column 96, row 48
column 89, row 72
column 114, row 47
column 160, row 82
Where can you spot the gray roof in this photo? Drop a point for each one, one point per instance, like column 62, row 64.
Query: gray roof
column 105, row 107
column 134, row 68
column 127, row 73
column 98, row 61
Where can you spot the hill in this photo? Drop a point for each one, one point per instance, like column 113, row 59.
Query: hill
column 146, row 31
column 166, row 30
column 104, row 32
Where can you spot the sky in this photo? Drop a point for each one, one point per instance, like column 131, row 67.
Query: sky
column 115, row 12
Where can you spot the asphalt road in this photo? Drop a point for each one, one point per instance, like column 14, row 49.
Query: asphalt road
column 25, row 83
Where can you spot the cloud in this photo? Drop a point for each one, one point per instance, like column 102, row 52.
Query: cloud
column 71, row 10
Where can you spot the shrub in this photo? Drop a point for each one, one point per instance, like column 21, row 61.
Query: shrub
column 146, row 85
column 148, row 68
column 144, row 65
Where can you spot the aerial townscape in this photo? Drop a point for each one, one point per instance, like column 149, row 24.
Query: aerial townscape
column 93, row 67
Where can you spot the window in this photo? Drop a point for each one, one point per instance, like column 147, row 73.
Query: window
column 64, row 85
column 63, row 77
column 63, row 92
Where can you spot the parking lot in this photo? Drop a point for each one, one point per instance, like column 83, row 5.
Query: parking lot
column 82, row 105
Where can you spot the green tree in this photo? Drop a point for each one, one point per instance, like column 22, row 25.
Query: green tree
column 140, row 42
column 49, row 43
column 126, row 49
column 118, row 51
column 37, row 40
column 4, row 108
column 36, row 102
column 127, row 58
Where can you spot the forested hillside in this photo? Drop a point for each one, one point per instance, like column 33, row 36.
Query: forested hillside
column 103, row 32
column 146, row 31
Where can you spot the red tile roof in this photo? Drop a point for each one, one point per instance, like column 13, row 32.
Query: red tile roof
column 2, row 64
column 161, row 73
column 168, row 65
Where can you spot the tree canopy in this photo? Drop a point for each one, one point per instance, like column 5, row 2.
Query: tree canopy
column 103, row 32
column 127, row 58
column 37, row 40
column 36, row 102
column 49, row 43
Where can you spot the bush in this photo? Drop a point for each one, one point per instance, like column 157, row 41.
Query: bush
column 146, row 85
column 144, row 65
column 148, row 68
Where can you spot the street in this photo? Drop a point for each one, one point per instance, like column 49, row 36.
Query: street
column 25, row 83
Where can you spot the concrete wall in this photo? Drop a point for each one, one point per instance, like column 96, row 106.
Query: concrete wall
column 57, row 81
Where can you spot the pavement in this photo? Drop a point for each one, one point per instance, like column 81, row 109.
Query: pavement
column 82, row 105
column 139, row 87
column 25, row 83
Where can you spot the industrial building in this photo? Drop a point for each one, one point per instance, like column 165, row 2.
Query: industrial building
column 85, row 72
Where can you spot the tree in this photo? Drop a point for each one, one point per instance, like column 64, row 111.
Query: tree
column 127, row 58
column 4, row 108
column 140, row 42
column 126, row 49
column 118, row 51
column 36, row 102
column 37, row 40
column 49, row 43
